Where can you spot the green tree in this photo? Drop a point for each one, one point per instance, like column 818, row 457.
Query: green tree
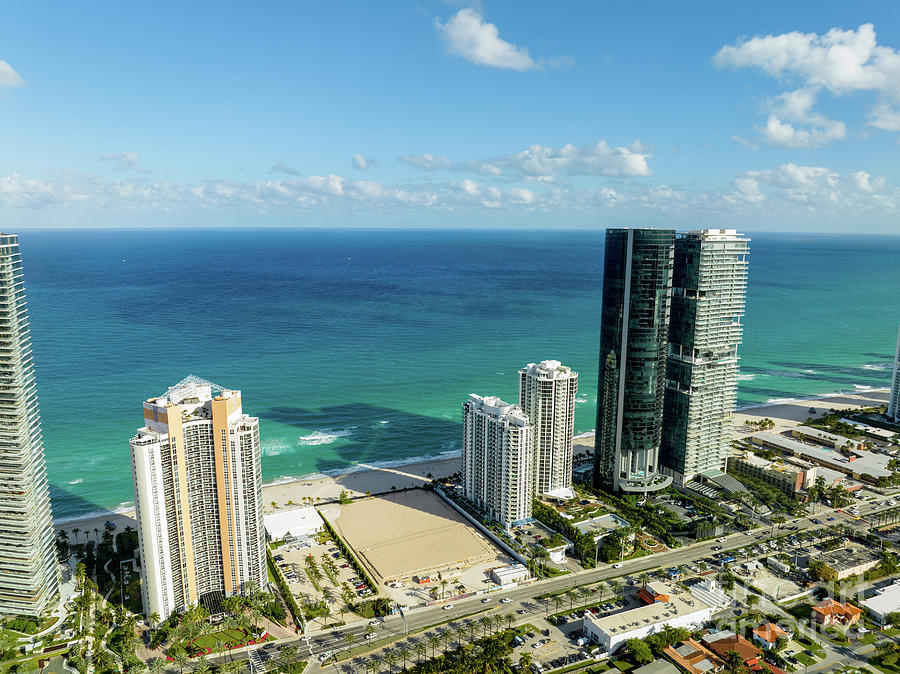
column 639, row 650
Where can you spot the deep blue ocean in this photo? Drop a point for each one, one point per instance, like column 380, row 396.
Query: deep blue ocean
column 359, row 346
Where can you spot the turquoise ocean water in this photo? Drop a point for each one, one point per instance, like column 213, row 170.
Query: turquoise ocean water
column 358, row 347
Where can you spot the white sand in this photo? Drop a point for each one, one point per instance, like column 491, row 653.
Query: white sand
column 375, row 480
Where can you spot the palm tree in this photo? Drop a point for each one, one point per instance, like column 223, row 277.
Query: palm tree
column 486, row 624
column 75, row 532
column 434, row 641
column 97, row 535
column 181, row 660
column 348, row 640
column 443, row 587
column 403, row 653
column 524, row 661
column 390, row 659
column 460, row 633
column 615, row 585
column 557, row 602
column 510, row 620
column 201, row 666
column 571, row 594
column 420, row 650
column 156, row 665
column 498, row 622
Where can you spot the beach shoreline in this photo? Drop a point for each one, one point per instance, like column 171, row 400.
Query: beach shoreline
column 360, row 479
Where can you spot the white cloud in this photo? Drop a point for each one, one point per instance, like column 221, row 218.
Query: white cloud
column 885, row 117
column 866, row 183
column 469, row 187
column 281, row 167
column 542, row 163
column 468, row 35
column 840, row 61
column 428, row 162
column 9, row 77
column 362, row 163
column 521, row 195
column 125, row 161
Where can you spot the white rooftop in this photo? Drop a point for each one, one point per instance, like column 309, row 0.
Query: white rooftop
column 296, row 522
column 886, row 601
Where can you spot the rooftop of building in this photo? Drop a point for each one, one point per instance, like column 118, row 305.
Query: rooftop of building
column 601, row 524
column 674, row 605
column 693, row 657
column 549, row 369
column 886, row 600
column 788, row 468
column 769, row 632
column 831, row 606
column 498, row 408
column 657, row 667
column 865, row 462
column 847, row 558
column 722, row 642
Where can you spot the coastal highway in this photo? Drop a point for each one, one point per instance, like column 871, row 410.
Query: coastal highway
column 523, row 597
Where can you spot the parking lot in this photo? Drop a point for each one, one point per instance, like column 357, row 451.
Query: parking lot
column 320, row 565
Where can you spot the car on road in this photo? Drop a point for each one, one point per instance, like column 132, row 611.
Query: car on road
column 831, row 519
column 506, row 600
column 716, row 547
column 521, row 611
column 722, row 539
column 324, row 656
column 447, row 607
column 617, row 566
column 370, row 635
column 375, row 622
column 485, row 600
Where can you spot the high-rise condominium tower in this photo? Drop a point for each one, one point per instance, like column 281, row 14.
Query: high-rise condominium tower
column 547, row 396
column 894, row 404
column 29, row 576
column 198, row 497
column 637, row 284
column 498, row 458
column 709, row 290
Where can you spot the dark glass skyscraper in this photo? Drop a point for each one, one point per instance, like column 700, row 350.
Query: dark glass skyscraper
column 637, row 284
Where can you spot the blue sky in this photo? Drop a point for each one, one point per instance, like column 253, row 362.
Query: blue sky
column 762, row 116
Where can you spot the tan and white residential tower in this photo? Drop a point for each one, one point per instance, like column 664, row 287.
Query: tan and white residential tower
column 498, row 458
column 29, row 575
column 547, row 395
column 198, row 497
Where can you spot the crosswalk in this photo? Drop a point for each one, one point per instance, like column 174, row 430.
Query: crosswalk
column 256, row 662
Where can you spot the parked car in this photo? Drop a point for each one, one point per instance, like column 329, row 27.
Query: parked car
column 506, row 600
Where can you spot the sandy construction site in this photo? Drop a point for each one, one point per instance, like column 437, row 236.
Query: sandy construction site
column 411, row 533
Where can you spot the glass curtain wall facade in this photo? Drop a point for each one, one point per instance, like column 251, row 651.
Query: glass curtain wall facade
column 705, row 328
column 637, row 284
column 29, row 575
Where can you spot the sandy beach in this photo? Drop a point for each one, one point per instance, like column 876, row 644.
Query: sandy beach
column 292, row 493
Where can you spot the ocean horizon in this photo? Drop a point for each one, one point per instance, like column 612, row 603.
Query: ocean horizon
column 359, row 346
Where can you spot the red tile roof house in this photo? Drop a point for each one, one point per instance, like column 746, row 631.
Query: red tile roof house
column 833, row 612
column 733, row 642
column 766, row 635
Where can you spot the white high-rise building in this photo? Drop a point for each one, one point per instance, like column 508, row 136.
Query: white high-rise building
column 498, row 458
column 894, row 404
column 709, row 290
column 547, row 396
column 198, row 497
column 29, row 575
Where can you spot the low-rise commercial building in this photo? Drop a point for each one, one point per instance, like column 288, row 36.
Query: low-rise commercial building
column 824, row 449
column 788, row 477
column 508, row 575
column 847, row 562
column 832, row 612
column 297, row 524
column 885, row 602
column 662, row 605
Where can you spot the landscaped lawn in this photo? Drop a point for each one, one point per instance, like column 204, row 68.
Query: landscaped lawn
column 623, row 665
column 801, row 611
column 230, row 638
